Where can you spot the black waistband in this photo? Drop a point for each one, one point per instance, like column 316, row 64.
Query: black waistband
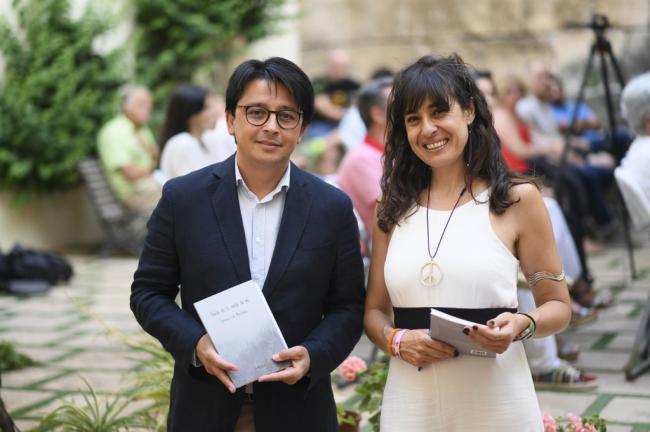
column 418, row 318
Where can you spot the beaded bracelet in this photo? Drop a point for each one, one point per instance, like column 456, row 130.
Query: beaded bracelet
column 529, row 331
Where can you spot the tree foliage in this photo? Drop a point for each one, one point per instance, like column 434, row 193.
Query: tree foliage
column 56, row 94
column 177, row 38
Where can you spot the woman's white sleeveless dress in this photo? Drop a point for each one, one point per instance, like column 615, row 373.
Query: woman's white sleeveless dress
column 465, row 393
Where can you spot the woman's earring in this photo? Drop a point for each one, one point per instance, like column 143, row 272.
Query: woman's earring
column 469, row 145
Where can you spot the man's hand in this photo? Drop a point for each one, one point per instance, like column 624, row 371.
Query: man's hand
column 300, row 363
column 214, row 363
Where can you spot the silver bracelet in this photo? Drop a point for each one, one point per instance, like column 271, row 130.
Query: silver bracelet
column 541, row 275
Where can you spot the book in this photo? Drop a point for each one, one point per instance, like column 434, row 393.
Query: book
column 243, row 330
column 449, row 329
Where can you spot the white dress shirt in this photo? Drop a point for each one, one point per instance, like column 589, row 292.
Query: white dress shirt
column 261, row 219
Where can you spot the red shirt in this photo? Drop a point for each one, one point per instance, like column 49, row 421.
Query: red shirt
column 514, row 163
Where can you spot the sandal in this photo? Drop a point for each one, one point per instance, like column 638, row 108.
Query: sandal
column 565, row 377
column 582, row 315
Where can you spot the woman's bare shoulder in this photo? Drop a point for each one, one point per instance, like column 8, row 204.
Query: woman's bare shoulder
column 526, row 198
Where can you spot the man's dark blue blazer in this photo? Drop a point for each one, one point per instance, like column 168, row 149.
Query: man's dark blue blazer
column 314, row 288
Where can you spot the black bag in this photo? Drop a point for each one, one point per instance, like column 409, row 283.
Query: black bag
column 31, row 264
column 26, row 271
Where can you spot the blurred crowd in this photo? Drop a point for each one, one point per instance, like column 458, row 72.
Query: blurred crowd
column 344, row 145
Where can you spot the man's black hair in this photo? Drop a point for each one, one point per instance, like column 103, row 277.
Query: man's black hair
column 273, row 70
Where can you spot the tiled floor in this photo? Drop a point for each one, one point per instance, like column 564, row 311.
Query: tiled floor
column 68, row 344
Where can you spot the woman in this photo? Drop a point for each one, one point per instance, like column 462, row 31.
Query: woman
column 445, row 183
column 191, row 112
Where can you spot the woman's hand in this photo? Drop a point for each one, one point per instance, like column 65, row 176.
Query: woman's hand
column 499, row 332
column 418, row 349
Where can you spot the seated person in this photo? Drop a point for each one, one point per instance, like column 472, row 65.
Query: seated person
column 191, row 112
column 635, row 102
column 587, row 125
column 129, row 153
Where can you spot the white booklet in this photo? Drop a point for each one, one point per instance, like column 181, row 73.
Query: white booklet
column 243, row 330
column 449, row 329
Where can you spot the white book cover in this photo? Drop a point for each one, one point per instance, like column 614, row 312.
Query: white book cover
column 449, row 329
column 243, row 330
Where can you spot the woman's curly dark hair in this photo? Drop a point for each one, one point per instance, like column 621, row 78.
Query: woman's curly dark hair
column 442, row 80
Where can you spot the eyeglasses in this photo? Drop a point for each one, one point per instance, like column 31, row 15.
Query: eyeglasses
column 257, row 116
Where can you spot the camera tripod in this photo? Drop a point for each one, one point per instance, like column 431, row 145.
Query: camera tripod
column 603, row 48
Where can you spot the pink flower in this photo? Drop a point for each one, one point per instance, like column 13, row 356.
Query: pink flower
column 575, row 421
column 351, row 367
column 549, row 423
column 587, row 428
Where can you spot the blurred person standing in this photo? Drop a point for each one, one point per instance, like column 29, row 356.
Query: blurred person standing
column 333, row 94
column 360, row 171
column 191, row 112
column 129, row 153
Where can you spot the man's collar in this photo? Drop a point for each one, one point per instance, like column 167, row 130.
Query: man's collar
column 283, row 184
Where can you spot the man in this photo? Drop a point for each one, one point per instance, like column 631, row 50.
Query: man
column 534, row 109
column 129, row 152
column 255, row 216
column 334, row 93
column 360, row 171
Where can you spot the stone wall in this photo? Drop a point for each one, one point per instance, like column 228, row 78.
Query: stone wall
column 501, row 35
column 54, row 221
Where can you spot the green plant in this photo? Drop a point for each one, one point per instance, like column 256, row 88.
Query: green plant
column 10, row 359
column 177, row 38
column 153, row 380
column 344, row 416
column 93, row 416
column 370, row 391
column 56, row 94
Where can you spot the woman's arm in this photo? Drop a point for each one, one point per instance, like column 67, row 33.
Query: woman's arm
column 537, row 252
column 378, row 313
column 535, row 247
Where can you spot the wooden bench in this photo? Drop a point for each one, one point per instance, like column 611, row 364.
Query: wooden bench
column 118, row 223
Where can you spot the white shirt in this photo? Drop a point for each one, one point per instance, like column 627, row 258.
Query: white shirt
column 637, row 161
column 182, row 154
column 261, row 219
column 538, row 115
column 219, row 141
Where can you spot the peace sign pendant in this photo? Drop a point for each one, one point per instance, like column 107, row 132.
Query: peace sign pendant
column 430, row 274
